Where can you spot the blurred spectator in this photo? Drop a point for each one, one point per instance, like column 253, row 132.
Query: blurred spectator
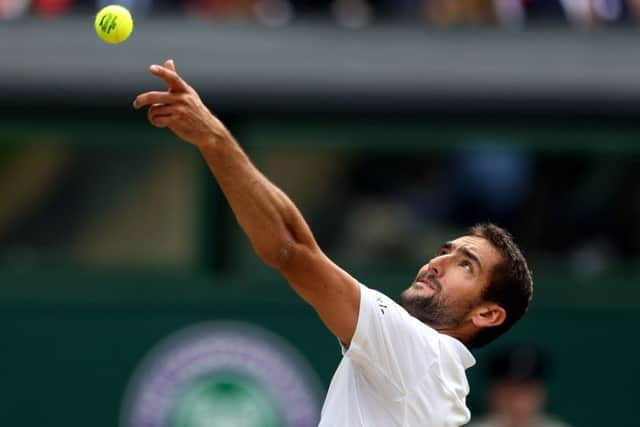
column 510, row 13
column 447, row 12
column 136, row 7
column 633, row 8
column 274, row 13
column 405, row 10
column 545, row 11
column 395, row 205
column 517, row 391
column 312, row 8
column 513, row 14
column 229, row 9
column 52, row 8
column 10, row 9
column 490, row 181
column 352, row 13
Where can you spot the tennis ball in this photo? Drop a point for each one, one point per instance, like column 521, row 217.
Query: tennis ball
column 113, row 24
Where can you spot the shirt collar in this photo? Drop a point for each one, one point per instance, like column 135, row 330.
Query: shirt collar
column 463, row 352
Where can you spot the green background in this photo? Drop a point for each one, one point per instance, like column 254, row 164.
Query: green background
column 71, row 336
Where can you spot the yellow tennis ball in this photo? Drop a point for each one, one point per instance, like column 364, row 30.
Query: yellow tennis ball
column 113, row 24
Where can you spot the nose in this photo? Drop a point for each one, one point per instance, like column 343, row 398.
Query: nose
column 437, row 265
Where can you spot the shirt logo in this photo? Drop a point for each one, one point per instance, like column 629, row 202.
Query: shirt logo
column 381, row 304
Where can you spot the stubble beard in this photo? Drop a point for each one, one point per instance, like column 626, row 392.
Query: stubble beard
column 433, row 310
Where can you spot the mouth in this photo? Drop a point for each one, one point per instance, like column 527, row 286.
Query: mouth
column 426, row 283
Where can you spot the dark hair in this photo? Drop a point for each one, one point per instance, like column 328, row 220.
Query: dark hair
column 511, row 285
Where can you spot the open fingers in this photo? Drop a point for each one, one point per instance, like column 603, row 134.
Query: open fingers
column 171, row 78
column 154, row 97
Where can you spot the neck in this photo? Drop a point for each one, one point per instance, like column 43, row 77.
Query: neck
column 463, row 333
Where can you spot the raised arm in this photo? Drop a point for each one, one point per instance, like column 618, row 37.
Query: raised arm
column 278, row 232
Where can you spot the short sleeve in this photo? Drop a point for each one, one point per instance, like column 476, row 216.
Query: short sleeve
column 389, row 345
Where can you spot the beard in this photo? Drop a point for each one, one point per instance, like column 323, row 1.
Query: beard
column 435, row 310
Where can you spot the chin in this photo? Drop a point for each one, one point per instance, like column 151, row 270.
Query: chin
column 412, row 295
column 411, row 291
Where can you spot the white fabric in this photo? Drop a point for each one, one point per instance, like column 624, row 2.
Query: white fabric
column 397, row 372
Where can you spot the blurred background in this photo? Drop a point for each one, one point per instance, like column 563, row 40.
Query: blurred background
column 393, row 124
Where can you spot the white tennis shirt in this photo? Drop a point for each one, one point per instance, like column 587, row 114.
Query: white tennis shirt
column 397, row 371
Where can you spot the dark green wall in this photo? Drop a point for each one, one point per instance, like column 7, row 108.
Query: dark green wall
column 70, row 342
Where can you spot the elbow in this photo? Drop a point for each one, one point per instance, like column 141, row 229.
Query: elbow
column 288, row 256
column 286, row 249
column 278, row 256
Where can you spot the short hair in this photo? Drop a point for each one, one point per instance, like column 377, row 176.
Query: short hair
column 511, row 283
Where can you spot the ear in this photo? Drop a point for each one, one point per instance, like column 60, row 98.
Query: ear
column 488, row 315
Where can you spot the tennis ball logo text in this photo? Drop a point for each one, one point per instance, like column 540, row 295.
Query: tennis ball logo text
column 108, row 23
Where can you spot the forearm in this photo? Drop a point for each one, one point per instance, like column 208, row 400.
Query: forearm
column 272, row 222
column 268, row 217
column 274, row 225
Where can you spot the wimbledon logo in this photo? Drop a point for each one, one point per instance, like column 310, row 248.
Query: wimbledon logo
column 222, row 374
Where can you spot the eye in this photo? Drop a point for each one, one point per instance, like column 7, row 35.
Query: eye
column 467, row 266
column 442, row 252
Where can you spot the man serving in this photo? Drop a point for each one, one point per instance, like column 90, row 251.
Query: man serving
column 403, row 365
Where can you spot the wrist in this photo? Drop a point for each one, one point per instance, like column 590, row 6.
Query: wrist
column 213, row 139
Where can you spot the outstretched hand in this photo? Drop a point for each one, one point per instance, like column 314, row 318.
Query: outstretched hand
column 180, row 108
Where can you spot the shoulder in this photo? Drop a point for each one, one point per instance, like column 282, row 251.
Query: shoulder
column 380, row 309
column 389, row 311
column 380, row 301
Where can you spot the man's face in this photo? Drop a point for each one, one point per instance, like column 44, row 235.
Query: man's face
column 450, row 285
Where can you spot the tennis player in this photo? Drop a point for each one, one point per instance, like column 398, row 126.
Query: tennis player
column 403, row 365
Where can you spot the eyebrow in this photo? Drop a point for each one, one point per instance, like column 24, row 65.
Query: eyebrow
column 464, row 251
